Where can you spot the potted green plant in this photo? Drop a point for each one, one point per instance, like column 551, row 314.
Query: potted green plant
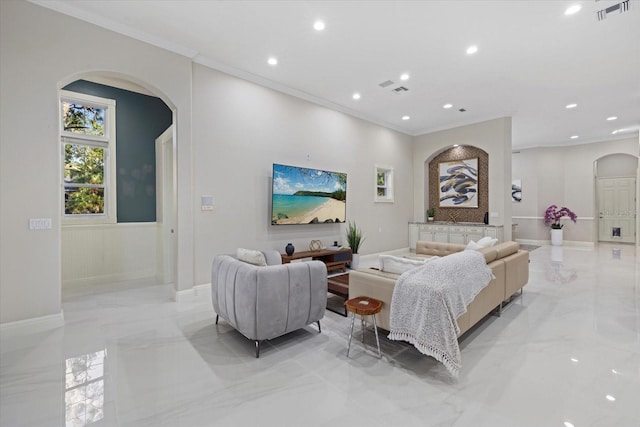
column 430, row 214
column 355, row 237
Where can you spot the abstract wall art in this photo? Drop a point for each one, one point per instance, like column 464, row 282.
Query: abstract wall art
column 459, row 183
column 516, row 190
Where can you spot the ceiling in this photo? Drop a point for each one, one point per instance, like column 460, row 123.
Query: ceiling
column 532, row 59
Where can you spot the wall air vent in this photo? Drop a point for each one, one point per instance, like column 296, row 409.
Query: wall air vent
column 400, row 89
column 385, row 84
column 620, row 8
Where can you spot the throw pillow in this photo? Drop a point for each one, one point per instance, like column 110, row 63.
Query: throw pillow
column 398, row 265
column 485, row 242
column 472, row 246
column 252, row 257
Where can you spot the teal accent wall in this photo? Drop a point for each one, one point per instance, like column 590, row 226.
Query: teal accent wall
column 140, row 119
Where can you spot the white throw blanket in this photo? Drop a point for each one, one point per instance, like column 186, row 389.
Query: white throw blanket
column 427, row 300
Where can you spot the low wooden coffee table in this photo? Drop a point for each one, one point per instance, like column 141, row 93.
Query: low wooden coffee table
column 339, row 285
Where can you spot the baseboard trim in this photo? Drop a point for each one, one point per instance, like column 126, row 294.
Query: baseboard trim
column 198, row 290
column 108, row 278
column 34, row 324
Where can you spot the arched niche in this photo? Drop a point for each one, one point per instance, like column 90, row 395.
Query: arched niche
column 432, row 181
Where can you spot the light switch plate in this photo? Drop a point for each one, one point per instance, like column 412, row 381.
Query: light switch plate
column 206, row 203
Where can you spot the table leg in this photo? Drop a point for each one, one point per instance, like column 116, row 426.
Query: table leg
column 375, row 328
column 353, row 319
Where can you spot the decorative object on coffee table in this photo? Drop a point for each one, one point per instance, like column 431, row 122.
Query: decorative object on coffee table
column 289, row 249
column 315, row 245
column 355, row 238
column 363, row 306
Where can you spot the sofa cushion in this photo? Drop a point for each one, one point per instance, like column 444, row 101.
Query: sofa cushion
column 398, row 265
column 507, row 248
column 251, row 256
column 426, row 247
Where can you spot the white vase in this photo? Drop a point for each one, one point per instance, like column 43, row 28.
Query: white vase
column 556, row 236
column 355, row 261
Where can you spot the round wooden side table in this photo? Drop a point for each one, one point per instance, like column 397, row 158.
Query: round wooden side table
column 363, row 306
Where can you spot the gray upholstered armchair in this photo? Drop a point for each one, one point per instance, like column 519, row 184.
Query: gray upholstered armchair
column 265, row 302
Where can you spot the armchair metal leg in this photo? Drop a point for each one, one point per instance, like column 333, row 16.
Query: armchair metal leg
column 319, row 329
column 257, row 349
column 217, row 316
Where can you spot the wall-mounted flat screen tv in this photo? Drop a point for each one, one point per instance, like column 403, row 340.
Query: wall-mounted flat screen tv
column 307, row 196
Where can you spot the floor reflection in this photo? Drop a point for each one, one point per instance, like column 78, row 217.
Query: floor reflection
column 84, row 389
column 555, row 272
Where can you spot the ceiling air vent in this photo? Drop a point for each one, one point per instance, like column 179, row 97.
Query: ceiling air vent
column 400, row 89
column 385, row 84
column 620, row 7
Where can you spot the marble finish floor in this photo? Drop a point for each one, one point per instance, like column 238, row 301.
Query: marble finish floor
column 566, row 354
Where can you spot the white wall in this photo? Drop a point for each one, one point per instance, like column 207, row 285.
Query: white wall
column 563, row 176
column 494, row 137
column 109, row 252
column 41, row 51
column 240, row 129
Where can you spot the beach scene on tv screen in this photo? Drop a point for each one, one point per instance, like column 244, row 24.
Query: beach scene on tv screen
column 308, row 196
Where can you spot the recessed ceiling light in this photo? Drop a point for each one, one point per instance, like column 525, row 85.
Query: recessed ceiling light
column 612, row 118
column 574, row 136
column 356, row 96
column 571, row 106
column 568, row 424
column 472, row 49
column 405, row 117
column 318, row 25
column 572, row 9
column 447, row 106
column 573, row 359
column 272, row 61
column 404, row 76
column 610, row 398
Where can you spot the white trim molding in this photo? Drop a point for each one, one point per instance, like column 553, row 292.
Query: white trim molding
column 34, row 324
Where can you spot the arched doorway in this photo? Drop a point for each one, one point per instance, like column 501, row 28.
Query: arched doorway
column 129, row 246
column 616, row 186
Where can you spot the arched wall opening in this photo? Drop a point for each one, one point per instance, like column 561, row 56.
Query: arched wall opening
column 138, row 246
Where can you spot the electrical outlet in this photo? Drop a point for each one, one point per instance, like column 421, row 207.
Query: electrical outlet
column 39, row 223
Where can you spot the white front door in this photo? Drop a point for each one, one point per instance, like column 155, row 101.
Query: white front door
column 617, row 210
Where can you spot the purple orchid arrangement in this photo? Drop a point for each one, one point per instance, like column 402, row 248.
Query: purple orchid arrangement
column 552, row 216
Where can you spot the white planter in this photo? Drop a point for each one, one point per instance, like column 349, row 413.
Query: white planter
column 355, row 261
column 556, row 237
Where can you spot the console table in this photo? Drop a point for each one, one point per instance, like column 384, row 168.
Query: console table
column 334, row 259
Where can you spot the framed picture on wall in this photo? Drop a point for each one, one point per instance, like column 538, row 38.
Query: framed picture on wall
column 516, row 190
column 458, row 183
